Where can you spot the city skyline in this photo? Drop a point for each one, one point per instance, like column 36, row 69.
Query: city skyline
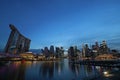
column 62, row 23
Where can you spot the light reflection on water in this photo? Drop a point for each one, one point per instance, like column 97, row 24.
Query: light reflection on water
column 50, row 70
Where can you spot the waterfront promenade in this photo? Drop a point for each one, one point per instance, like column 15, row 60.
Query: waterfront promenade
column 105, row 63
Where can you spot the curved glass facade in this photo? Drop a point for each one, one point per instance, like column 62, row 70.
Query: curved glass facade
column 17, row 43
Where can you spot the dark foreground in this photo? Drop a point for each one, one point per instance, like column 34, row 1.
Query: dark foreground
column 56, row 70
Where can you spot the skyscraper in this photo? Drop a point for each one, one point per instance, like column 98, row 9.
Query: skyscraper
column 83, row 50
column 52, row 50
column 57, row 52
column 86, row 51
column 103, row 47
column 46, row 52
column 71, row 51
column 17, row 43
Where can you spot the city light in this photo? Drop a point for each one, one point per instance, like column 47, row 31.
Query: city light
column 105, row 73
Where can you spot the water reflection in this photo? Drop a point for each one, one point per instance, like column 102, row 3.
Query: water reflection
column 109, row 72
column 56, row 70
column 47, row 70
column 14, row 71
column 83, row 71
column 75, row 68
column 59, row 67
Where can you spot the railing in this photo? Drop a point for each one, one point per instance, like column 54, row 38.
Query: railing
column 107, row 63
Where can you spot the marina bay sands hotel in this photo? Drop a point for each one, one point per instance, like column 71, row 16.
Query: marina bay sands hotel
column 17, row 43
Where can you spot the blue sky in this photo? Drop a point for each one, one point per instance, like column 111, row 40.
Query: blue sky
column 62, row 22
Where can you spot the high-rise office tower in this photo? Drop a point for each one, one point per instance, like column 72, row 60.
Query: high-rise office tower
column 52, row 50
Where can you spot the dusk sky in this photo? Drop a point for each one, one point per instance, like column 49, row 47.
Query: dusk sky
column 62, row 22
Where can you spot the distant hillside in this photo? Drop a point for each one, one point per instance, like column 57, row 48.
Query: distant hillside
column 36, row 51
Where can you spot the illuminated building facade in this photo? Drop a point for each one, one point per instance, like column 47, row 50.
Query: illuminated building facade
column 73, row 51
column 17, row 43
column 46, row 52
column 104, row 48
column 51, row 50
